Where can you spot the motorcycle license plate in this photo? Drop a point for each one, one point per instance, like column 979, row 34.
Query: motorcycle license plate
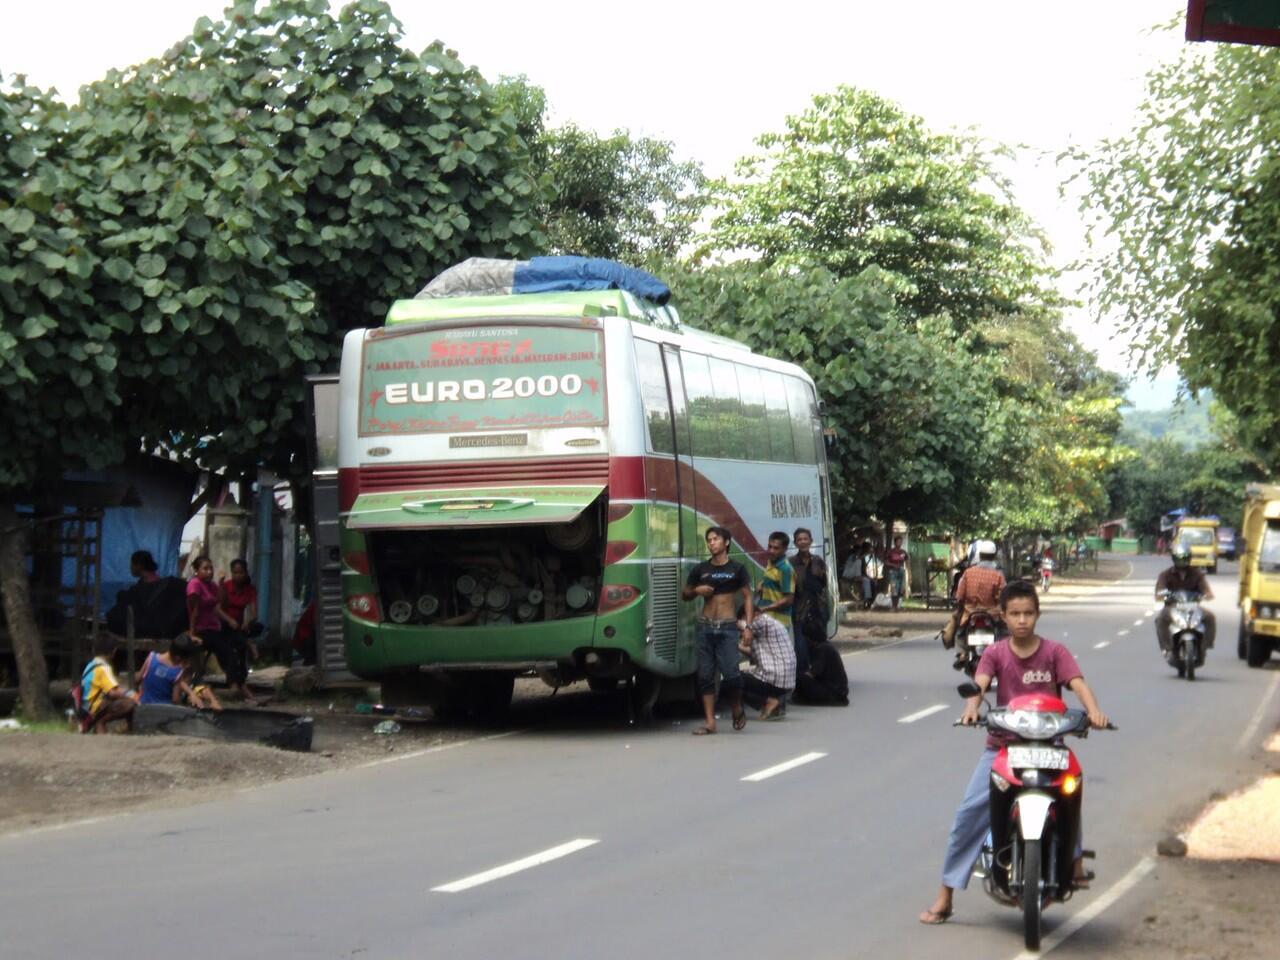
column 1039, row 758
column 982, row 639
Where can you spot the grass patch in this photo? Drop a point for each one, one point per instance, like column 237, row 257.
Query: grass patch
column 42, row 726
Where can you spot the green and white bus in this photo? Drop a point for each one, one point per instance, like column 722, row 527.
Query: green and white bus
column 525, row 480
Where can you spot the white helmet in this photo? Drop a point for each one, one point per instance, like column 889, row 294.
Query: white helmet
column 986, row 549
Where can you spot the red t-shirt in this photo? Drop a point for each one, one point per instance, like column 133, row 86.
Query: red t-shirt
column 895, row 557
column 1047, row 670
column 235, row 598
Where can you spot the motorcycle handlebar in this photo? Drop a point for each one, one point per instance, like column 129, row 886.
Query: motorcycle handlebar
column 982, row 722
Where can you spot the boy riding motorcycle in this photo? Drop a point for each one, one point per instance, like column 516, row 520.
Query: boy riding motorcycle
column 1023, row 663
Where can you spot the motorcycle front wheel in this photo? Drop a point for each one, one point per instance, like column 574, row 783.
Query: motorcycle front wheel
column 1189, row 657
column 1032, row 893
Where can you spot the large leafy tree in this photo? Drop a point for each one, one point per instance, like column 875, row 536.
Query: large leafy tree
column 1070, row 428
column 622, row 197
column 1163, row 475
column 179, row 248
column 921, row 429
column 1186, row 221
column 854, row 181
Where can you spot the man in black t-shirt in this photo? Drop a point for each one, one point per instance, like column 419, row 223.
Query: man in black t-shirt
column 1183, row 576
column 718, row 582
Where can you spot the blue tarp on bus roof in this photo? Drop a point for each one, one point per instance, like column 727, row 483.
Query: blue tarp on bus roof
column 480, row 276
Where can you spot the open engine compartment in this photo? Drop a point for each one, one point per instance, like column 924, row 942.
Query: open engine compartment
column 492, row 575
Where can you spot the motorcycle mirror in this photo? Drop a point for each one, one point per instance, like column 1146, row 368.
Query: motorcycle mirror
column 968, row 689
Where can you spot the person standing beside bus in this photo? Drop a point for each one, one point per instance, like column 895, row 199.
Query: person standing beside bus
column 718, row 581
column 812, row 607
column 777, row 591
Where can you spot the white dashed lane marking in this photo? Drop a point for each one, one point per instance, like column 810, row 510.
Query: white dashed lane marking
column 507, row 869
column 921, row 714
column 773, row 771
column 1104, row 643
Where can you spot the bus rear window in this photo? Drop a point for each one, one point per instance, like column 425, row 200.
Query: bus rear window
column 464, row 379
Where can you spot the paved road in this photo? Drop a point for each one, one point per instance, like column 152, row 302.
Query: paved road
column 830, row 858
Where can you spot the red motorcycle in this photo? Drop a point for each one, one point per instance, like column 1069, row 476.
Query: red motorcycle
column 1028, row 861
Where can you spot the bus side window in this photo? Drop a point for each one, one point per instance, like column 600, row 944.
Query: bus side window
column 778, row 416
column 653, row 394
column 733, row 428
column 702, row 405
column 753, row 412
column 804, row 417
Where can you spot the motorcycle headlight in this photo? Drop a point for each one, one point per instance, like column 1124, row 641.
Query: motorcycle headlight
column 1179, row 620
column 1034, row 725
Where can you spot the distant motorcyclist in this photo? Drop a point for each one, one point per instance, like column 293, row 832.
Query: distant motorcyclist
column 978, row 590
column 1183, row 577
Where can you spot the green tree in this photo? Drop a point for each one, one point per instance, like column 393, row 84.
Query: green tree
column 620, row 197
column 854, row 182
column 182, row 246
column 1148, row 485
column 1070, row 427
column 921, row 428
column 1185, row 215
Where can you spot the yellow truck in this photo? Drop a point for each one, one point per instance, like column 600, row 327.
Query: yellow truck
column 1260, row 574
column 1200, row 536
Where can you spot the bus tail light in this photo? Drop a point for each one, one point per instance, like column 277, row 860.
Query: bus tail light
column 364, row 606
column 357, row 560
column 619, row 510
column 617, row 550
column 616, row 595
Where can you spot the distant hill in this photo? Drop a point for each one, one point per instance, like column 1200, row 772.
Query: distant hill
column 1187, row 424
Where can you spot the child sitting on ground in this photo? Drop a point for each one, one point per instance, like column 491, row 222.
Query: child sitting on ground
column 101, row 695
column 166, row 678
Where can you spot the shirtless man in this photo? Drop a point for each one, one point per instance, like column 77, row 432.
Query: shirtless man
column 717, row 581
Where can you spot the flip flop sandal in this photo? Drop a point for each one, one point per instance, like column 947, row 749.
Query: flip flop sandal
column 935, row 917
column 740, row 720
column 703, row 732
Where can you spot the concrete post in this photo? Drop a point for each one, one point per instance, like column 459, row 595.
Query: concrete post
column 262, row 555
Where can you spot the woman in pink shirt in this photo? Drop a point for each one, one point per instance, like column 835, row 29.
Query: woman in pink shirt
column 202, row 602
column 209, row 626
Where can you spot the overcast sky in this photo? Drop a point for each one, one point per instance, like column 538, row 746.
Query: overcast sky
column 711, row 76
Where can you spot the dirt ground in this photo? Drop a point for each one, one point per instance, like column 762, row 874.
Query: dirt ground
column 1207, row 910
column 1219, row 902
column 50, row 776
